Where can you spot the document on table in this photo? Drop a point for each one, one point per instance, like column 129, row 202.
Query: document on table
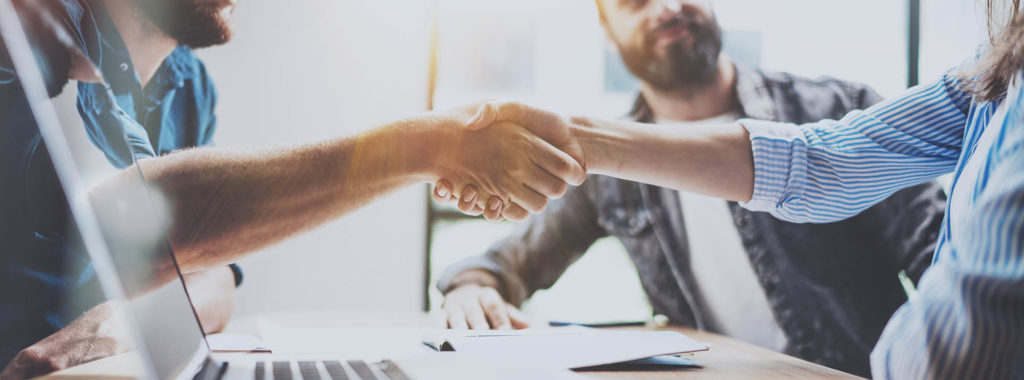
column 562, row 347
column 373, row 343
column 568, row 347
column 235, row 343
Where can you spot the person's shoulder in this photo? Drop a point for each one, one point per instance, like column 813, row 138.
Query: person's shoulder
column 815, row 86
column 827, row 94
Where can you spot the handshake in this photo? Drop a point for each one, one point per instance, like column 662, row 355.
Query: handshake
column 509, row 160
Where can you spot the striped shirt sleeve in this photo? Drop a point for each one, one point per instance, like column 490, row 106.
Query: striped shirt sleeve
column 831, row 170
column 967, row 320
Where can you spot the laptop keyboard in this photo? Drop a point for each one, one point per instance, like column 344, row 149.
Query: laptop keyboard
column 334, row 369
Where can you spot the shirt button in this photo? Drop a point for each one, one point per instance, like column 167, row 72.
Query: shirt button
column 124, row 67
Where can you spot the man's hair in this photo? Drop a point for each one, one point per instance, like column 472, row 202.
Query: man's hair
column 991, row 75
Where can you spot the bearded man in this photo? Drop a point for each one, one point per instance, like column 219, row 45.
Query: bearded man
column 144, row 51
column 821, row 292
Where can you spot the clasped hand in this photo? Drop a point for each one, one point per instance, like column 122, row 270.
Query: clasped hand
column 535, row 149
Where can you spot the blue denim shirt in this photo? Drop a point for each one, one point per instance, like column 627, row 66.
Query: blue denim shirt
column 38, row 269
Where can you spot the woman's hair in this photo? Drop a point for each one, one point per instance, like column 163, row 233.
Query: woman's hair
column 991, row 75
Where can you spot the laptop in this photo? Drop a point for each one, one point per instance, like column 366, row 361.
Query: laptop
column 126, row 242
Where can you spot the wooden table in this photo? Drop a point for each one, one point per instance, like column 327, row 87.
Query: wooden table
column 727, row 359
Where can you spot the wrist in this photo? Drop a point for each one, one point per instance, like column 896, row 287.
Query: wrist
column 425, row 138
column 597, row 143
column 473, row 277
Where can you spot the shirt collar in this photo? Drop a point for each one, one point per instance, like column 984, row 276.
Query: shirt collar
column 753, row 95
column 117, row 66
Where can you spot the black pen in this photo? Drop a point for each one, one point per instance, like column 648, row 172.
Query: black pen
column 598, row 324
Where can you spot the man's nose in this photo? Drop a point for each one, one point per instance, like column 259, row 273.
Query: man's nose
column 667, row 9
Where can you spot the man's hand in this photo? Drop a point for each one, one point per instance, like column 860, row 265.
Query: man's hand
column 94, row 335
column 508, row 165
column 476, row 307
column 551, row 127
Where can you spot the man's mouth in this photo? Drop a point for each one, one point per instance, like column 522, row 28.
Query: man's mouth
column 671, row 32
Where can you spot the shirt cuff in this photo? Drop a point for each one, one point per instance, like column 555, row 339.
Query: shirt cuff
column 444, row 283
column 780, row 156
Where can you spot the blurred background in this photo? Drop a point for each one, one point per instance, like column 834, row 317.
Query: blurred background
column 314, row 69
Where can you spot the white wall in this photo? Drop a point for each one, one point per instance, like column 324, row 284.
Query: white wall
column 951, row 33
column 862, row 40
column 306, row 70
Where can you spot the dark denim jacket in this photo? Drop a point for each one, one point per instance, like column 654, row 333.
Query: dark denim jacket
column 831, row 287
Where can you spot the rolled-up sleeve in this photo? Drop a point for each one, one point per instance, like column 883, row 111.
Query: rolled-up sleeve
column 831, row 170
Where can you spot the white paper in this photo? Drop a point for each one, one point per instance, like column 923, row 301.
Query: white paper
column 545, row 348
column 579, row 348
column 374, row 343
column 235, row 342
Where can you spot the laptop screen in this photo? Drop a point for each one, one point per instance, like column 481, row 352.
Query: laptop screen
column 114, row 216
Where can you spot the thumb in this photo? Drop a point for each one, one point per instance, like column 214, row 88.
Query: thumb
column 486, row 115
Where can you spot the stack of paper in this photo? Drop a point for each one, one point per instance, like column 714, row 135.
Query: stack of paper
column 563, row 347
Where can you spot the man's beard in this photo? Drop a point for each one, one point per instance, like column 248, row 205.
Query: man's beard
column 683, row 67
column 193, row 23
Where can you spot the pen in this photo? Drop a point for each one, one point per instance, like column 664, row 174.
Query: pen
column 598, row 324
column 655, row 321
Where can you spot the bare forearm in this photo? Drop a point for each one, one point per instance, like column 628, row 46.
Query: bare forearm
column 226, row 202
column 213, row 294
column 712, row 160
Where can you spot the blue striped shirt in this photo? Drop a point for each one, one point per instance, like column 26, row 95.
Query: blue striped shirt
column 967, row 319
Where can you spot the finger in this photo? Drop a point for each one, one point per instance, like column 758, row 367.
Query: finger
column 544, row 183
column 476, row 211
column 442, row 191
column 486, row 115
column 544, row 124
column 527, row 198
column 438, row 319
column 492, row 111
column 515, row 213
column 468, row 200
column 456, row 318
column 493, row 209
column 517, row 318
column 475, row 315
column 12, row 371
column 559, row 163
column 494, row 308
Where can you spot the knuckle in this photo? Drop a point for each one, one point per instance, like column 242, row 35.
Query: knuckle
column 561, row 188
column 516, row 215
column 494, row 310
column 31, row 354
column 563, row 167
column 52, row 363
column 515, row 106
column 511, row 166
column 540, row 204
column 491, row 292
